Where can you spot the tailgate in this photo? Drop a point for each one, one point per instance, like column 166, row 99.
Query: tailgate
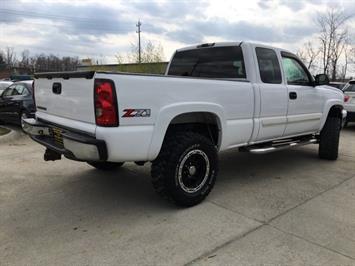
column 67, row 95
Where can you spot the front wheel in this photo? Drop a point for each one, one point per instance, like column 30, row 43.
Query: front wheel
column 105, row 166
column 329, row 139
column 186, row 168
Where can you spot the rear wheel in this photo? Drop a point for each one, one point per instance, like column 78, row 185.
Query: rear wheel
column 186, row 168
column 105, row 166
column 329, row 139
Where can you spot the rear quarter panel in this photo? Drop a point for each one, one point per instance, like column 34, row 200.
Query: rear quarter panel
column 167, row 97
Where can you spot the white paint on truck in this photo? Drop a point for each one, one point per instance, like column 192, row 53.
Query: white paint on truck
column 259, row 95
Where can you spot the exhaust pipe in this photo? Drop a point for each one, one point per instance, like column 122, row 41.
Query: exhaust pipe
column 51, row 155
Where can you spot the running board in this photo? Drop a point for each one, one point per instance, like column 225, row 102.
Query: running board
column 262, row 150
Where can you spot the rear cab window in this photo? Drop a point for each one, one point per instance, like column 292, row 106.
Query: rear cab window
column 211, row 62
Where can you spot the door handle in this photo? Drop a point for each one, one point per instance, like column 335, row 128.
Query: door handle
column 293, row 95
column 57, row 88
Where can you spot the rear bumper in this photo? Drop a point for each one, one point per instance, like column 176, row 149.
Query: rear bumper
column 73, row 145
column 350, row 117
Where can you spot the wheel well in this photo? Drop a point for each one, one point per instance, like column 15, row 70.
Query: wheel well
column 204, row 123
column 335, row 111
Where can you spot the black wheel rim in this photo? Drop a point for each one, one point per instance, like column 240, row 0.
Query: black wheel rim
column 193, row 171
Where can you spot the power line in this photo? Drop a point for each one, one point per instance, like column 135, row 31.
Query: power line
column 103, row 28
column 49, row 16
column 94, row 24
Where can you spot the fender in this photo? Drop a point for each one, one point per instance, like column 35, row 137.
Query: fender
column 328, row 105
column 169, row 112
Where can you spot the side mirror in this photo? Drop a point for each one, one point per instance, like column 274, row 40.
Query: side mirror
column 321, row 79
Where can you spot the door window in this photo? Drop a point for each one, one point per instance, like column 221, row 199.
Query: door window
column 269, row 66
column 295, row 72
column 19, row 90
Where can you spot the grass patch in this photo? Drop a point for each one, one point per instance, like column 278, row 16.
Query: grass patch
column 3, row 131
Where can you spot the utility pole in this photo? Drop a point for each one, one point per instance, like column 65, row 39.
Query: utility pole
column 139, row 24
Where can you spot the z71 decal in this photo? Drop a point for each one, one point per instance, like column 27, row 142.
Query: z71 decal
column 136, row 113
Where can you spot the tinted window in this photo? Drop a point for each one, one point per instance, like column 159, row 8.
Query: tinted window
column 19, row 90
column 295, row 73
column 217, row 62
column 350, row 87
column 269, row 66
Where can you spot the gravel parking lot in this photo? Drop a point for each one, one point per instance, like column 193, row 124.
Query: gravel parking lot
column 286, row 208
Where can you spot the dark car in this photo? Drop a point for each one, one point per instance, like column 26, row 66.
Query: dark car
column 17, row 101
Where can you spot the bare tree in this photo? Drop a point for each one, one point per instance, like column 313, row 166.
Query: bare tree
column 119, row 58
column 349, row 53
column 150, row 53
column 10, row 57
column 309, row 55
column 25, row 59
column 2, row 59
column 333, row 36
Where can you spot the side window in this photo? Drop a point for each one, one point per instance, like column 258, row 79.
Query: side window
column 294, row 71
column 269, row 66
column 19, row 90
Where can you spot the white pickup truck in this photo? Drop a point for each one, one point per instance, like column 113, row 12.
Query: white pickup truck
column 214, row 97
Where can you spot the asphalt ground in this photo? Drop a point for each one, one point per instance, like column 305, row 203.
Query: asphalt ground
column 286, row 208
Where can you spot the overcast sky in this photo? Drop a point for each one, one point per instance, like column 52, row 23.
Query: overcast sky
column 102, row 28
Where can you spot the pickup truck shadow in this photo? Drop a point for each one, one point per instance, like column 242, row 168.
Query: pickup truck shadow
column 130, row 188
column 126, row 196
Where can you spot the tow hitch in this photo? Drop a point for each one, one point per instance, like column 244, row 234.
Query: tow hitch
column 51, row 155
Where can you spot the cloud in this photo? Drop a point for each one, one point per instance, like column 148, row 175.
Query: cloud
column 105, row 27
column 240, row 31
column 294, row 5
column 264, row 4
column 172, row 10
column 88, row 19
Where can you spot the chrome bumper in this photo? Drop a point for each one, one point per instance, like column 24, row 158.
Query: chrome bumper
column 75, row 146
column 34, row 128
column 344, row 114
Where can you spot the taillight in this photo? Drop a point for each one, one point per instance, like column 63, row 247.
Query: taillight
column 106, row 113
column 346, row 98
